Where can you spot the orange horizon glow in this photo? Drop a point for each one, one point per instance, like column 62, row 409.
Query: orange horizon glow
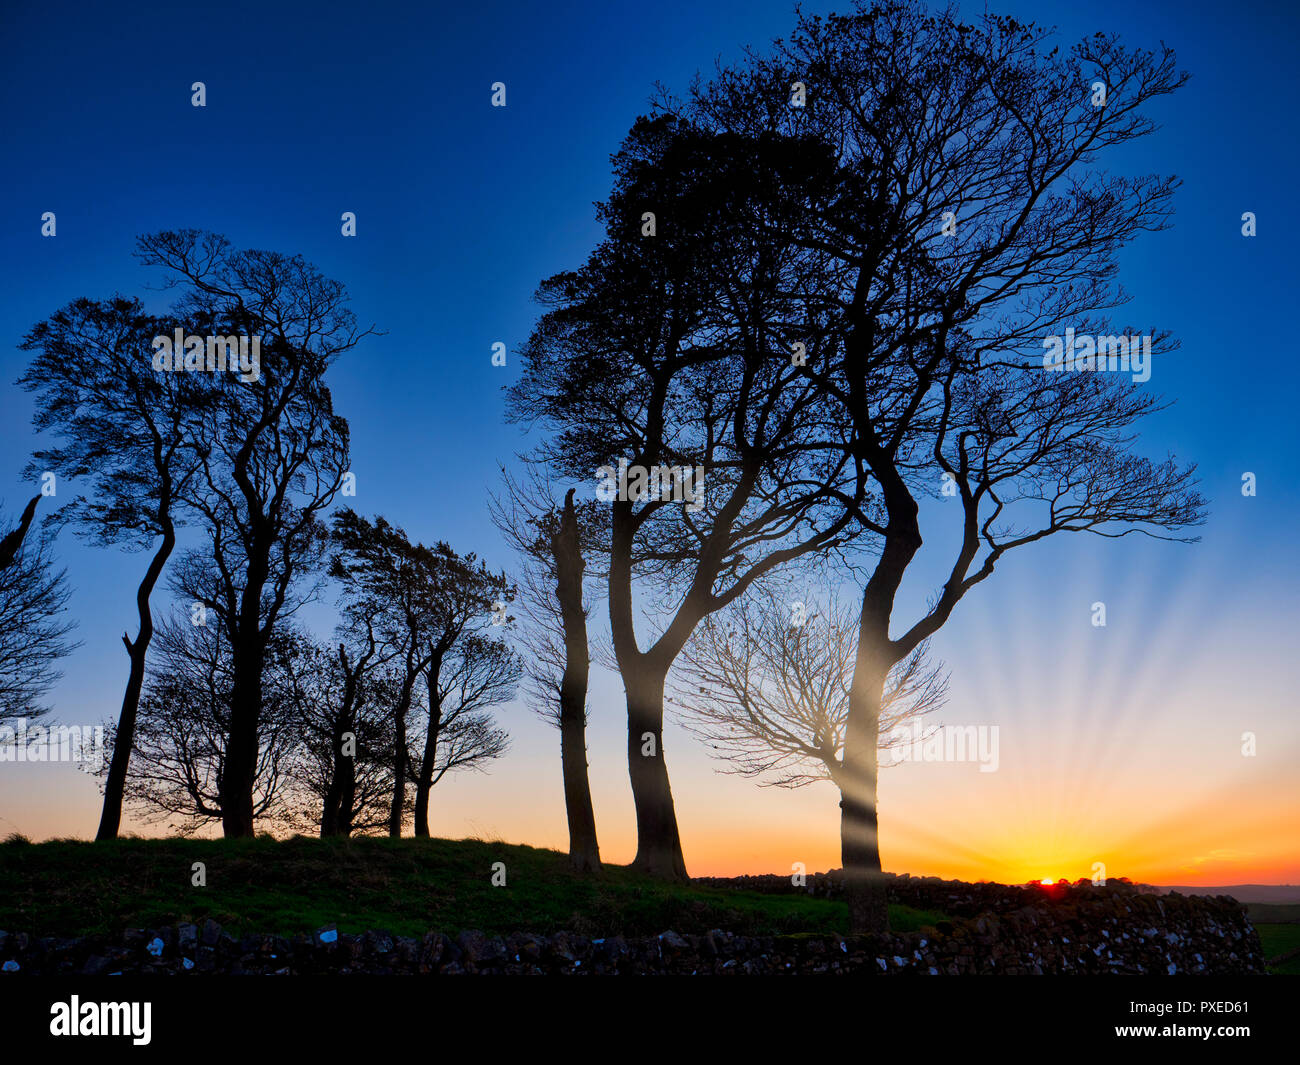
column 1123, row 759
column 738, row 853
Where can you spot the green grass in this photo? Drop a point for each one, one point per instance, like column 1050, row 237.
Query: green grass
column 1273, row 912
column 407, row 886
column 1278, row 939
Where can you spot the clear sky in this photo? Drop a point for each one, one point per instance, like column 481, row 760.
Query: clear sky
column 1119, row 744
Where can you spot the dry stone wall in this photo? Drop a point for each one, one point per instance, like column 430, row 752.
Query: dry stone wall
column 1015, row 932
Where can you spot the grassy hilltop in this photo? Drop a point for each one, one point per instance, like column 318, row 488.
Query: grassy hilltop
column 407, row 886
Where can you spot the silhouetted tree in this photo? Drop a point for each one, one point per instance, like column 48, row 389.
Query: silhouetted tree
column 463, row 682
column 421, row 601
column 345, row 698
column 551, row 540
column 672, row 351
column 387, row 586
column 33, row 632
column 272, row 455
column 770, row 692
column 121, row 426
column 971, row 223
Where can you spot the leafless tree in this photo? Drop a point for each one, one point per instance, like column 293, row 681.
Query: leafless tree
column 768, row 688
column 466, row 675
column 462, row 685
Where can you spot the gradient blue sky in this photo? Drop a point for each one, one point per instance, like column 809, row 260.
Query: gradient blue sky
column 1109, row 736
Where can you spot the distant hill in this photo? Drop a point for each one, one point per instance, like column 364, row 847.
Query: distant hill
column 1273, row 893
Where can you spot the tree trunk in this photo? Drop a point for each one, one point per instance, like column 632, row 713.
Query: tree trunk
column 424, row 782
column 859, row 825
column 248, row 654
column 239, row 774
column 396, row 809
column 348, row 801
column 331, row 807
column 344, row 769
column 859, row 819
column 110, row 819
column 659, row 845
column 566, row 547
column 864, row 880
column 584, row 851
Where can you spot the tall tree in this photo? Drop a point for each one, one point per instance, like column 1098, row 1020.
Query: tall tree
column 121, row 427
column 272, row 455
column 552, row 541
column 972, row 227
column 669, row 350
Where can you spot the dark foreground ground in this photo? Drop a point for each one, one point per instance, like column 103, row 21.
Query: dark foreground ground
column 374, row 904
